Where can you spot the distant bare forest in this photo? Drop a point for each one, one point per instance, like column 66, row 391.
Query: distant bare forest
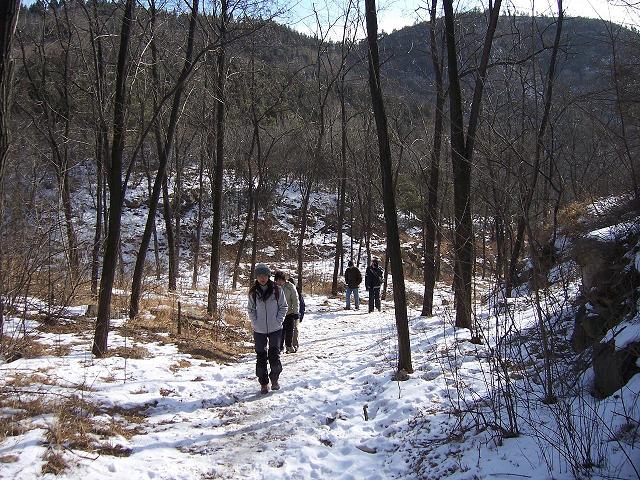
column 211, row 107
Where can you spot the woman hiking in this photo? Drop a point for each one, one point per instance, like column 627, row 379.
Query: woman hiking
column 266, row 307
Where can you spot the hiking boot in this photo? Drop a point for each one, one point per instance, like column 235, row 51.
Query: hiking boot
column 264, row 389
column 275, row 385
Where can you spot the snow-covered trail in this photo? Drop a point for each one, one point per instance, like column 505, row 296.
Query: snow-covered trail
column 313, row 426
column 207, row 420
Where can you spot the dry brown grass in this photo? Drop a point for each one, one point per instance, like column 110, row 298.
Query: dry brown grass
column 65, row 326
column 135, row 414
column 570, row 216
column 318, row 286
column 236, row 316
column 136, row 352
column 54, row 463
column 113, row 450
column 180, row 364
column 201, row 336
column 74, row 425
column 206, row 348
column 414, row 299
column 21, row 380
column 10, row 426
column 30, row 347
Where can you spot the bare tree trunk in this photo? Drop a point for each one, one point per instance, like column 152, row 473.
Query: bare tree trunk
column 9, row 11
column 116, row 198
column 383, row 295
column 243, row 240
column 390, row 213
column 247, row 224
column 164, row 152
column 214, row 276
column 462, row 157
column 431, row 210
column 198, row 239
column 102, row 144
column 304, row 213
column 342, row 189
column 524, row 221
column 177, row 214
column 156, row 247
column 169, row 230
column 97, row 238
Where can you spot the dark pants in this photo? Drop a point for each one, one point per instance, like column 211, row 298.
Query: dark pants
column 287, row 328
column 374, row 297
column 272, row 355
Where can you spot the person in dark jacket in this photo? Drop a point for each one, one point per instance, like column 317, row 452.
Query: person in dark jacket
column 353, row 279
column 372, row 282
column 296, row 324
column 266, row 308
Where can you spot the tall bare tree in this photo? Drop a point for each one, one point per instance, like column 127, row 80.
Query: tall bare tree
column 431, row 223
column 221, row 70
column 390, row 213
column 9, row 11
column 462, row 156
column 165, row 151
column 116, row 187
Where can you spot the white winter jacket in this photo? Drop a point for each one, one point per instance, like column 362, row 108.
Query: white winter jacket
column 267, row 315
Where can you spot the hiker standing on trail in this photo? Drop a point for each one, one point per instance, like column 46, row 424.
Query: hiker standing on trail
column 353, row 279
column 292, row 310
column 267, row 308
column 296, row 323
column 372, row 282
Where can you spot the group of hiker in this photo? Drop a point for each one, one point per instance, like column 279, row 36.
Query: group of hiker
column 372, row 283
column 276, row 308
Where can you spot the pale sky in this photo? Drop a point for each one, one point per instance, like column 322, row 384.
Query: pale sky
column 395, row 14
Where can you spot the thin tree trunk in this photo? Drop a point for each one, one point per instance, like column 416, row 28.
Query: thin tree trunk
column 247, row 224
column 9, row 11
column 214, row 276
column 342, row 188
column 431, row 210
column 383, row 296
column 102, row 143
column 243, row 240
column 304, row 213
column 198, row 239
column 156, row 247
column 390, row 213
column 169, row 230
column 116, row 188
column 161, row 178
column 97, row 238
column 461, row 158
column 177, row 201
column 523, row 221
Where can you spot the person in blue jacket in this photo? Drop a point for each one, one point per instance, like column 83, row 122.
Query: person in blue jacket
column 266, row 308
